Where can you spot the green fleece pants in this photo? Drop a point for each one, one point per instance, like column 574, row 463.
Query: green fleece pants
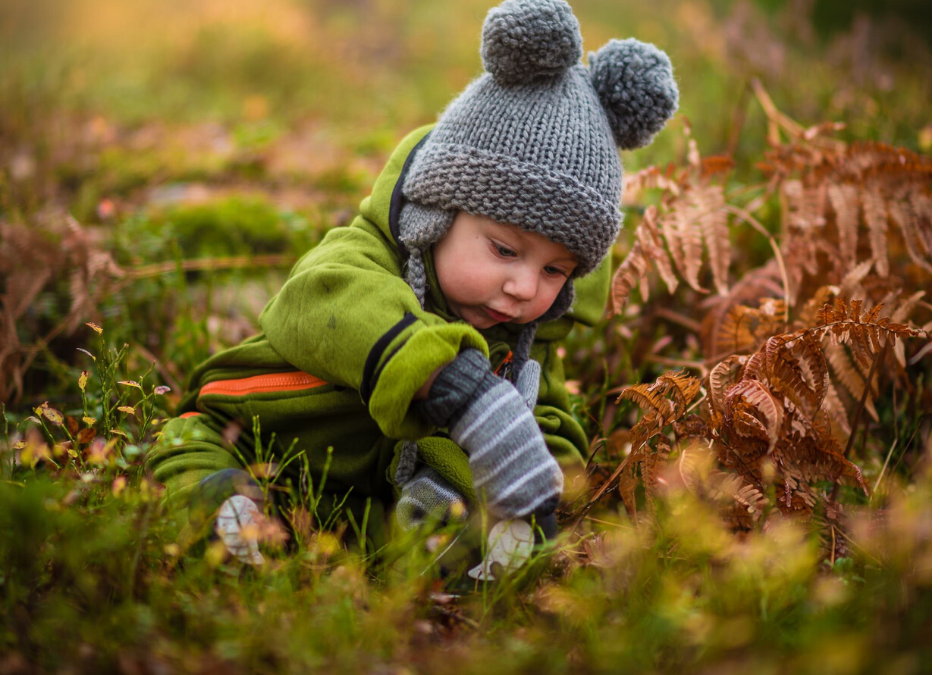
column 313, row 433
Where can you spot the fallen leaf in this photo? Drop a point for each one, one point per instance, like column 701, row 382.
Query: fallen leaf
column 51, row 414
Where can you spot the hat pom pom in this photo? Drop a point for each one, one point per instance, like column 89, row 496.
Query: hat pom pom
column 635, row 84
column 525, row 40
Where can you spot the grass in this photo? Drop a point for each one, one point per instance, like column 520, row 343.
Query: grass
column 185, row 140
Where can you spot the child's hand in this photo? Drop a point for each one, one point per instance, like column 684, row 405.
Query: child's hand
column 511, row 466
column 429, row 495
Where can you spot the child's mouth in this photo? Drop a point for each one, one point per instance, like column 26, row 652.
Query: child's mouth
column 496, row 316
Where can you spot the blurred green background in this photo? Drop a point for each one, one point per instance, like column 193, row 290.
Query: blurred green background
column 204, row 129
column 101, row 97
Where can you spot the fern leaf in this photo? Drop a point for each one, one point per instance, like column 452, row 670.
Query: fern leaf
column 649, row 397
column 854, row 277
column 720, row 378
column 737, row 330
column 871, row 316
column 683, row 235
column 848, row 375
column 844, row 200
column 906, row 308
column 687, row 386
column 651, row 241
column 632, row 270
column 833, row 407
column 876, row 216
column 751, row 394
column 922, row 204
column 714, row 226
column 902, row 214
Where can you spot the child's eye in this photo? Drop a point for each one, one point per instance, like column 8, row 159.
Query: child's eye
column 553, row 271
column 502, row 251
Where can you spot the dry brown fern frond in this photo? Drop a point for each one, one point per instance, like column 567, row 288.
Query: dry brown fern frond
column 690, row 220
column 743, row 327
column 740, row 503
column 664, row 402
column 32, row 258
column 753, row 288
column 829, row 195
column 648, row 250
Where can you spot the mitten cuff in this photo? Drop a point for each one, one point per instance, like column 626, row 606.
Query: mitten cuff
column 454, row 387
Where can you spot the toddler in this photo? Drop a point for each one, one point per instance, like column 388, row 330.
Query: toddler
column 412, row 355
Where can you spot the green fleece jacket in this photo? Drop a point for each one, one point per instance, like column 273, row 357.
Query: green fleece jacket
column 345, row 347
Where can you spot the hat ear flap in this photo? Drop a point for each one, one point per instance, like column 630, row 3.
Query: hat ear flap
column 637, row 89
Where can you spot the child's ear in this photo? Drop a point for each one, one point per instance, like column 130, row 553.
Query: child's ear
column 637, row 89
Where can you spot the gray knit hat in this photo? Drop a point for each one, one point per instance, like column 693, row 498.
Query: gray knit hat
column 534, row 141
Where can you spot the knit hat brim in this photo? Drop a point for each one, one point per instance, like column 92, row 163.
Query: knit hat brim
column 523, row 194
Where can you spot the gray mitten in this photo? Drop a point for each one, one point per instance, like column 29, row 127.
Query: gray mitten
column 426, row 495
column 512, row 469
column 528, row 383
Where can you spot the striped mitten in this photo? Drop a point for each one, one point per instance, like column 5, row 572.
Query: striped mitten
column 512, row 469
column 429, row 495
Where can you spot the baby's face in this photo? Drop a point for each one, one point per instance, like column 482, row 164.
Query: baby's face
column 493, row 273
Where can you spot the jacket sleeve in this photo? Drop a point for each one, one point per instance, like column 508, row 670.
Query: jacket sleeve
column 347, row 316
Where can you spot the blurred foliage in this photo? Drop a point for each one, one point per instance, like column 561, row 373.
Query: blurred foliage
column 200, row 147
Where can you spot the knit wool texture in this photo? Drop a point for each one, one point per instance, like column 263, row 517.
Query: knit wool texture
column 540, row 156
column 428, row 495
column 512, row 469
column 534, row 141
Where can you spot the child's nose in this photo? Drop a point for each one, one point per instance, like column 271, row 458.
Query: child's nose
column 523, row 285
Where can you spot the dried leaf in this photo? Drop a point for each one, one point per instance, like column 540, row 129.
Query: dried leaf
column 51, row 414
column 85, row 351
column 95, row 327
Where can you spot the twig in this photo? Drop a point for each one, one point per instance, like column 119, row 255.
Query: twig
column 458, row 617
column 603, row 489
column 883, row 467
column 210, row 264
column 779, row 120
column 682, row 363
column 832, row 556
column 607, row 522
column 861, row 403
column 744, row 215
column 678, row 318
column 160, row 368
column 740, row 114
